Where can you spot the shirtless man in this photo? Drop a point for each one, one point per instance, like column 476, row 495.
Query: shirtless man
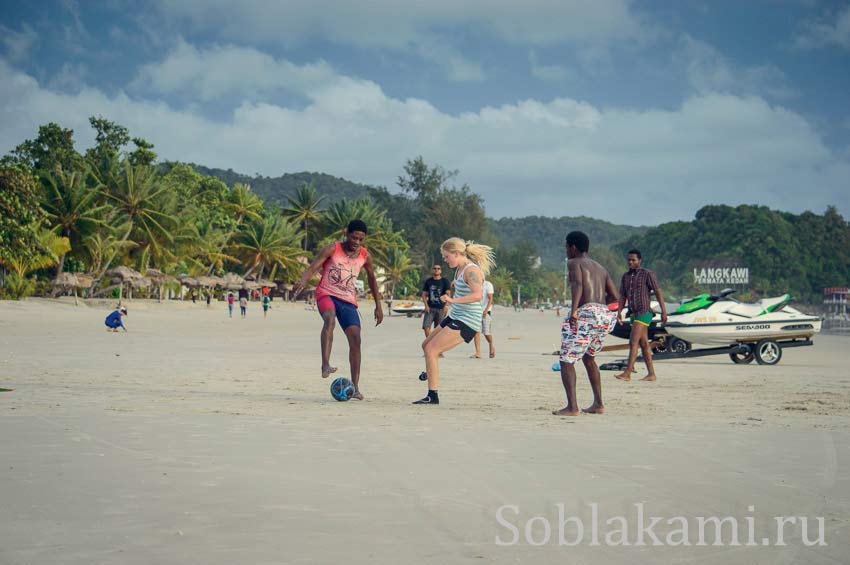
column 589, row 321
column 336, row 295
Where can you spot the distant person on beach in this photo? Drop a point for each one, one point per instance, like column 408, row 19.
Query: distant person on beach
column 243, row 305
column 336, row 295
column 266, row 305
column 433, row 289
column 634, row 293
column 230, row 300
column 209, row 298
column 471, row 261
column 487, row 292
column 194, row 297
column 587, row 324
column 114, row 320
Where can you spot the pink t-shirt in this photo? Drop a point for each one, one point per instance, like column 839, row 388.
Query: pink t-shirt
column 339, row 272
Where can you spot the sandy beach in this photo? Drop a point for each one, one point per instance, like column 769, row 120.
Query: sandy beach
column 196, row 438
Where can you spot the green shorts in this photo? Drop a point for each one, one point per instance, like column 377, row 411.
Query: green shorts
column 645, row 318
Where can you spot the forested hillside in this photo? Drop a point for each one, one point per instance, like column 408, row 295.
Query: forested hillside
column 548, row 234
column 275, row 190
column 796, row 253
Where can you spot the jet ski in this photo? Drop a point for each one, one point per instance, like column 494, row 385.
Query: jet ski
column 410, row 308
column 722, row 320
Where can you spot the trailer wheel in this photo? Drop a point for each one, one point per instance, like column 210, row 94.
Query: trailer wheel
column 661, row 347
column 743, row 358
column 768, row 352
column 677, row 345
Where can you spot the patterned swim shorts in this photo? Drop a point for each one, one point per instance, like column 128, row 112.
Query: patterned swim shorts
column 595, row 321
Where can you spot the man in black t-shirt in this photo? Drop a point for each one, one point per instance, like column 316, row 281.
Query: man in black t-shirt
column 432, row 290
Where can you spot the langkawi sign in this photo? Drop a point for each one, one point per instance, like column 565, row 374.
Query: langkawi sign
column 722, row 275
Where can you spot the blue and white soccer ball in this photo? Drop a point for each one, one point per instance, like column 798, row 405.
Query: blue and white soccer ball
column 342, row 389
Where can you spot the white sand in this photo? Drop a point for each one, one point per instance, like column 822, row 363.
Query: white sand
column 195, row 438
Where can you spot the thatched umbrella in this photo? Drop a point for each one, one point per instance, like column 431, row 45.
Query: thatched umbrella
column 64, row 282
column 232, row 281
column 267, row 283
column 121, row 275
column 84, row 280
column 159, row 279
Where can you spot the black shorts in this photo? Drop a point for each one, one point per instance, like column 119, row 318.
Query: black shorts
column 466, row 332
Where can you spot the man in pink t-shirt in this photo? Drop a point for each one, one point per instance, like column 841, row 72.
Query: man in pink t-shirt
column 336, row 295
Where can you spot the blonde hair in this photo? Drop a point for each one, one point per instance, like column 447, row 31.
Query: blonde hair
column 481, row 255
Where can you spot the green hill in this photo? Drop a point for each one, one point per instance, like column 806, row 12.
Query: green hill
column 785, row 252
column 274, row 190
column 547, row 234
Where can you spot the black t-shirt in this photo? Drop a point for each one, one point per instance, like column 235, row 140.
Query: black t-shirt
column 435, row 289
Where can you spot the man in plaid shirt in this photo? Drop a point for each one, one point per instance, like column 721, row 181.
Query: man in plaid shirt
column 634, row 292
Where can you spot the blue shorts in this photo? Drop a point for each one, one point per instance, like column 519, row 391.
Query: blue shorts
column 114, row 325
column 346, row 312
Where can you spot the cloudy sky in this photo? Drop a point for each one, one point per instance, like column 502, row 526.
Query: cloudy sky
column 635, row 112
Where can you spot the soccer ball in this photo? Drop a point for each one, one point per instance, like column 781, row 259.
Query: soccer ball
column 342, row 389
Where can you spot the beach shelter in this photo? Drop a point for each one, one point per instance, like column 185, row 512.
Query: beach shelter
column 232, row 281
column 121, row 275
column 158, row 279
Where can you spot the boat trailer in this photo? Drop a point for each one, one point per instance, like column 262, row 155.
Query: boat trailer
column 763, row 352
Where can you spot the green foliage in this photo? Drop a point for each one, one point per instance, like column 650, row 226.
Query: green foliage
column 21, row 217
column 52, row 148
column 17, row 287
column 276, row 190
column 143, row 155
column 303, row 209
column 800, row 254
column 548, row 234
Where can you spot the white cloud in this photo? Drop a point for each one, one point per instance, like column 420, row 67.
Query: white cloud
column 221, row 70
column 18, row 44
column 562, row 157
column 825, row 32
column 708, row 70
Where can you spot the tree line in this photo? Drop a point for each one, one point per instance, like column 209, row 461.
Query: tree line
column 114, row 205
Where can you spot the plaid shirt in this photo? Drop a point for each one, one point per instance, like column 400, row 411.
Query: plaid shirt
column 634, row 287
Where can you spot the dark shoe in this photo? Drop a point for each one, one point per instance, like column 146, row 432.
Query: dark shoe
column 423, row 376
column 427, row 400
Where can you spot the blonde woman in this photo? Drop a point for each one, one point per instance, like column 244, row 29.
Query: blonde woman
column 471, row 261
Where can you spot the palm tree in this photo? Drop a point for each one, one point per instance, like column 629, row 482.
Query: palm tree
column 270, row 243
column 50, row 248
column 73, row 209
column 304, row 210
column 397, row 265
column 503, row 281
column 141, row 203
column 381, row 237
column 243, row 204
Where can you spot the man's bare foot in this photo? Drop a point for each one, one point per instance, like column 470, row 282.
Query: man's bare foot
column 649, row 378
column 624, row 376
column 594, row 409
column 567, row 412
column 475, row 357
column 492, row 354
column 357, row 395
column 327, row 370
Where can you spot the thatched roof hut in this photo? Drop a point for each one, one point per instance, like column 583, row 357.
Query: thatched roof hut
column 66, row 280
column 123, row 274
column 232, row 281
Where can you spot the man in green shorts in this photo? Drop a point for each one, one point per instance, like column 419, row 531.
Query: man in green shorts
column 634, row 292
